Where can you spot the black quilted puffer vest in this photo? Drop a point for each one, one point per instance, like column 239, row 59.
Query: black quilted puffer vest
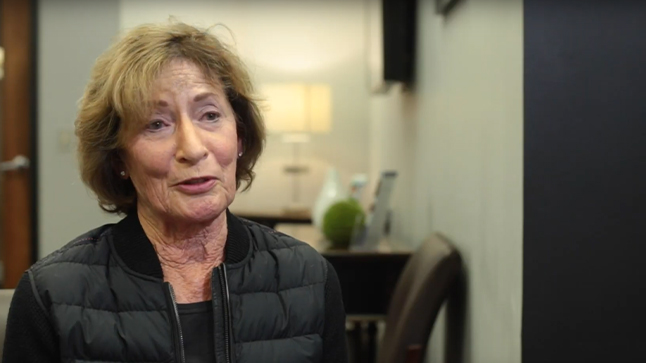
column 108, row 302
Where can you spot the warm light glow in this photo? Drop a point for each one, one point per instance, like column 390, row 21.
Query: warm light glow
column 297, row 107
column 320, row 108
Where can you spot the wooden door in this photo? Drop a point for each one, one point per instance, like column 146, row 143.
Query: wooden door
column 17, row 117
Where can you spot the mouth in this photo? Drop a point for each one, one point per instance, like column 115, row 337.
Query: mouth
column 196, row 181
column 196, row 186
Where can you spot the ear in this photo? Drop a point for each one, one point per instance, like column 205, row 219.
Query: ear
column 240, row 149
column 118, row 166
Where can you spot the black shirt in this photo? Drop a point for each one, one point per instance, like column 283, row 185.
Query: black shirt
column 196, row 323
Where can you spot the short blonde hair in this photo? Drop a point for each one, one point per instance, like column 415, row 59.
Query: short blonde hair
column 119, row 95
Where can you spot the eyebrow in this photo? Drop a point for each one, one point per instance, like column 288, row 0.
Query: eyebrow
column 198, row 98
column 204, row 95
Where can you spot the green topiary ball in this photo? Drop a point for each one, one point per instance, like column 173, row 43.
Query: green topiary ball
column 339, row 222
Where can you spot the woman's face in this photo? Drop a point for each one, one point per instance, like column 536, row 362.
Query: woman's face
column 183, row 162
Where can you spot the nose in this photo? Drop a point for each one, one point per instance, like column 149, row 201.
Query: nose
column 190, row 146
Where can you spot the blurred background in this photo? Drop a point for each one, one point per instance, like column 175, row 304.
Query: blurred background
column 515, row 128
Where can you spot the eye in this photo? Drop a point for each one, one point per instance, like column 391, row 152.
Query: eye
column 156, row 125
column 211, row 116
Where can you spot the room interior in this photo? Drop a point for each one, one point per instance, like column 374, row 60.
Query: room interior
column 343, row 113
column 471, row 168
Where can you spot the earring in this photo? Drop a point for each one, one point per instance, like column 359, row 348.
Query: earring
column 122, row 173
column 240, row 154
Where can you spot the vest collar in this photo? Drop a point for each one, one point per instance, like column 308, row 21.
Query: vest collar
column 137, row 252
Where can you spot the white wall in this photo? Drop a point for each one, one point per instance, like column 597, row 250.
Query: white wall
column 287, row 41
column 71, row 34
column 465, row 120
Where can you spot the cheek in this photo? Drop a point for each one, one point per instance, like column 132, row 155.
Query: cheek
column 148, row 163
column 225, row 155
column 225, row 148
column 226, row 158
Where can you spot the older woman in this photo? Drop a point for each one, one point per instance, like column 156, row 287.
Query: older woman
column 169, row 131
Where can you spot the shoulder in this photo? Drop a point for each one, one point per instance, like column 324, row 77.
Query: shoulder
column 277, row 243
column 82, row 249
column 70, row 267
column 270, row 239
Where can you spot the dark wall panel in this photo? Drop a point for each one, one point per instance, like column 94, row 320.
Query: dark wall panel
column 585, row 181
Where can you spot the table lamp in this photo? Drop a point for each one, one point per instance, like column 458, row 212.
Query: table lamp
column 297, row 110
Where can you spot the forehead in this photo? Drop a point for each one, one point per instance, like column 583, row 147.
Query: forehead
column 181, row 76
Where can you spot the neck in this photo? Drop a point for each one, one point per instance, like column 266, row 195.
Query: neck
column 185, row 246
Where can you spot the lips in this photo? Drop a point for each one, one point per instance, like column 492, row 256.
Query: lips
column 194, row 181
column 197, row 185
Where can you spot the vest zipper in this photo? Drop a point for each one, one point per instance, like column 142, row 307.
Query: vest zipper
column 224, row 285
column 179, row 340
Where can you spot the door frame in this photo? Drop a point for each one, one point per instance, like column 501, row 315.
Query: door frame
column 18, row 136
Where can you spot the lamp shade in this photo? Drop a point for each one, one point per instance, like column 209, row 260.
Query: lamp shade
column 297, row 107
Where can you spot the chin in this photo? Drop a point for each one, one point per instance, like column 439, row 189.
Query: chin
column 202, row 210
